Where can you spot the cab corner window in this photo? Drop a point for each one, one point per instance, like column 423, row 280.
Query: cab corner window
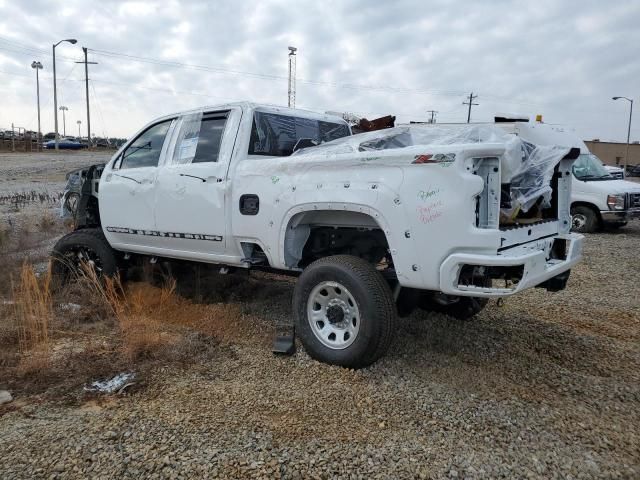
column 145, row 150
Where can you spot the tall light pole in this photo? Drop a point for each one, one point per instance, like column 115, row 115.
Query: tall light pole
column 64, row 121
column 292, row 77
column 37, row 66
column 626, row 155
column 72, row 41
column 79, row 122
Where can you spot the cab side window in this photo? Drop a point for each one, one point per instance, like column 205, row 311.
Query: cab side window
column 145, row 150
column 199, row 138
column 209, row 140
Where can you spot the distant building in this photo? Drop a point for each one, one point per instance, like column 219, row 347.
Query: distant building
column 612, row 153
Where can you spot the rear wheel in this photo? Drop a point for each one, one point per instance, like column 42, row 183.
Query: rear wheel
column 584, row 219
column 344, row 311
column 81, row 249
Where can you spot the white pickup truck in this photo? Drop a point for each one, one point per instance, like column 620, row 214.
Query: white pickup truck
column 373, row 224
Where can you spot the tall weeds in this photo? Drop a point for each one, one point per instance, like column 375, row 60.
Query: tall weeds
column 33, row 314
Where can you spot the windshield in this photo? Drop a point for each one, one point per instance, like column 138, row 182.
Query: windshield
column 589, row 167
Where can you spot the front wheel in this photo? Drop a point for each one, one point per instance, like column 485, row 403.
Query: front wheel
column 583, row 219
column 344, row 311
column 82, row 249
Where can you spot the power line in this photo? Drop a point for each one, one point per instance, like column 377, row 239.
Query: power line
column 155, row 61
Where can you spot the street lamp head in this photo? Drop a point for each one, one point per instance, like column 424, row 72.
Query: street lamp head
column 62, row 107
column 615, row 98
column 35, row 64
column 72, row 41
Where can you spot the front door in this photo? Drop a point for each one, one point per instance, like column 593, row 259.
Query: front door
column 191, row 186
column 127, row 189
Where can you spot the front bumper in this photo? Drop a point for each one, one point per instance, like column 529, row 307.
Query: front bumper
column 613, row 216
column 533, row 257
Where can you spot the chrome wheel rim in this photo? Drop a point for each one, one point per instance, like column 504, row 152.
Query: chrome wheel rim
column 578, row 220
column 333, row 315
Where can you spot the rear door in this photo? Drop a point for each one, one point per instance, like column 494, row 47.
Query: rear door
column 192, row 185
column 127, row 188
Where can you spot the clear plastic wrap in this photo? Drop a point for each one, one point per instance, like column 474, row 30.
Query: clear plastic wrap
column 531, row 181
column 187, row 141
column 526, row 168
column 411, row 135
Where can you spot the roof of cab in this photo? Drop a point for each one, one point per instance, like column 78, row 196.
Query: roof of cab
column 250, row 106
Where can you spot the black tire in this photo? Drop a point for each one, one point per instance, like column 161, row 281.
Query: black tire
column 462, row 308
column 86, row 246
column 584, row 219
column 375, row 310
column 616, row 226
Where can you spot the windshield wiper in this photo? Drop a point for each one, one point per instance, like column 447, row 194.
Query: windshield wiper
column 139, row 147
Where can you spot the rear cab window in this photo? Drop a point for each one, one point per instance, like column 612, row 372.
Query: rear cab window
column 275, row 135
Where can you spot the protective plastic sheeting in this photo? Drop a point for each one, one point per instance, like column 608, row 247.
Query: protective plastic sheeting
column 528, row 168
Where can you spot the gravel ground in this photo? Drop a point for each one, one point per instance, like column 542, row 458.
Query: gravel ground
column 545, row 386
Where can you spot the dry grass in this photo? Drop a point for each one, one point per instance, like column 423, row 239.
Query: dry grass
column 33, row 313
column 96, row 327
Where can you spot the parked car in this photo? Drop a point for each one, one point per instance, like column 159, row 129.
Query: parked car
column 65, row 144
column 615, row 172
column 371, row 225
column 633, row 171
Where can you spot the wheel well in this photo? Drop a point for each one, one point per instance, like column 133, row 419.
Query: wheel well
column 590, row 206
column 317, row 234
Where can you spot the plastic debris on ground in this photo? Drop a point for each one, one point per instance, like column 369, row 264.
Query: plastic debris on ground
column 113, row 385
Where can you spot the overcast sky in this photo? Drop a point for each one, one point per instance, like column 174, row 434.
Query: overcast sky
column 562, row 59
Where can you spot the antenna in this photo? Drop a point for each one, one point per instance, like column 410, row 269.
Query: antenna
column 292, row 77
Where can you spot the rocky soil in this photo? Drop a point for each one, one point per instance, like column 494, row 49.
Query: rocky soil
column 545, row 386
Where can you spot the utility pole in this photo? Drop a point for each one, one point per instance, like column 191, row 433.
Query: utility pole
column 626, row 155
column 86, row 86
column 433, row 116
column 472, row 97
column 292, row 77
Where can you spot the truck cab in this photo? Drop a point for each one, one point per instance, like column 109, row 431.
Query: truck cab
column 170, row 190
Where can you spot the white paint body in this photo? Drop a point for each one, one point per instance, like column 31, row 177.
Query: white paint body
column 426, row 211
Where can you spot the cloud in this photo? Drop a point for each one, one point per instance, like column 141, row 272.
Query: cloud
column 564, row 60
